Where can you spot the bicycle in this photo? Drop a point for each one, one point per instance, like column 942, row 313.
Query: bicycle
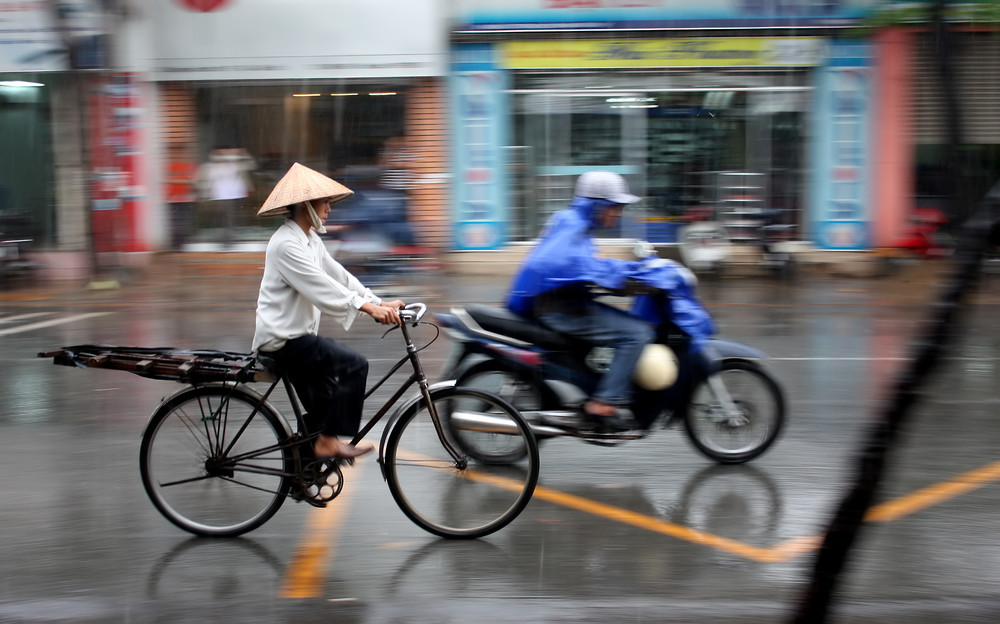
column 218, row 459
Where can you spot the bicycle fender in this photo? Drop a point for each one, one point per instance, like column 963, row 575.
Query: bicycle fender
column 413, row 400
column 245, row 390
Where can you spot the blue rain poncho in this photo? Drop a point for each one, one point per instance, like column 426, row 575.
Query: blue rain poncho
column 680, row 305
column 565, row 256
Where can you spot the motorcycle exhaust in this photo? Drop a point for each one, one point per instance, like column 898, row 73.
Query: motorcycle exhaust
column 477, row 421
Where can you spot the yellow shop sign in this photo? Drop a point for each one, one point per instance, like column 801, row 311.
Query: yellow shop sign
column 734, row 52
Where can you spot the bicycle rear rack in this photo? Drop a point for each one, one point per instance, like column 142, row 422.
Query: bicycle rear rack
column 181, row 365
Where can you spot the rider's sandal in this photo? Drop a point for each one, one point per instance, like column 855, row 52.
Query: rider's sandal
column 619, row 422
column 347, row 451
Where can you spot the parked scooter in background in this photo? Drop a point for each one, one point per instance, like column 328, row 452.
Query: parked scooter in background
column 14, row 267
column 925, row 237
column 776, row 236
column 704, row 245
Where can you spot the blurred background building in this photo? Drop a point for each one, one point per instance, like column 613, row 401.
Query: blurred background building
column 478, row 114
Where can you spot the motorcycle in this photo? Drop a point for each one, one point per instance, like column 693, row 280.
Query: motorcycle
column 731, row 406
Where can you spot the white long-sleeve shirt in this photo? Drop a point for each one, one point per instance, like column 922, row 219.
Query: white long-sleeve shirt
column 302, row 281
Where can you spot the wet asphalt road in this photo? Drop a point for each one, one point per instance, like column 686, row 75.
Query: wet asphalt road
column 646, row 532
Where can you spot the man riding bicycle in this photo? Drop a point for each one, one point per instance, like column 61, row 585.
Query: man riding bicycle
column 302, row 281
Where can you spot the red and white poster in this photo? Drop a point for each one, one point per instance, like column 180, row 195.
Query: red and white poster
column 117, row 190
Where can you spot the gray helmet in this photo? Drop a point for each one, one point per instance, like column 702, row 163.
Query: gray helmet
column 604, row 185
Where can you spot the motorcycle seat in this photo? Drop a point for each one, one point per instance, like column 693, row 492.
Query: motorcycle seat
column 503, row 321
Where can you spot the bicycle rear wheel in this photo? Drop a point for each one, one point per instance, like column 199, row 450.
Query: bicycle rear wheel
column 459, row 498
column 211, row 460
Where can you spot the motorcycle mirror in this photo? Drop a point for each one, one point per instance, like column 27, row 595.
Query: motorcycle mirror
column 643, row 249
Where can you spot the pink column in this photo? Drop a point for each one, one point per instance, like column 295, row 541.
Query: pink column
column 892, row 188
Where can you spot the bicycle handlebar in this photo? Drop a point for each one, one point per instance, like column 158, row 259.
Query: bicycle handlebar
column 412, row 312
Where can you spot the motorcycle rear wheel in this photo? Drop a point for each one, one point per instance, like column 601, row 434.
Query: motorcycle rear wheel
column 735, row 438
column 483, row 446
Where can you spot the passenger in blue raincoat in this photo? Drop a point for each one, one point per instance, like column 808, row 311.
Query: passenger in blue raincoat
column 554, row 283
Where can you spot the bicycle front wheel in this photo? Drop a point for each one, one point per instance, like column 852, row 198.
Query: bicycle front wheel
column 458, row 496
column 212, row 461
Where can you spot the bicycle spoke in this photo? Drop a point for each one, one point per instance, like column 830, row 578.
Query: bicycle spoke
column 193, row 429
column 463, row 498
column 198, row 490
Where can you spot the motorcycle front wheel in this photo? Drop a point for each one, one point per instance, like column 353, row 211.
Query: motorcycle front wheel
column 478, row 441
column 736, row 413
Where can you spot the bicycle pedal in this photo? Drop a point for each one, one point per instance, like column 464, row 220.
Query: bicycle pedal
column 315, row 503
column 300, row 496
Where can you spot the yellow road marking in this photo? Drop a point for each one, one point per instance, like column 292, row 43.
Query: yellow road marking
column 789, row 549
column 649, row 523
column 306, row 571
column 934, row 494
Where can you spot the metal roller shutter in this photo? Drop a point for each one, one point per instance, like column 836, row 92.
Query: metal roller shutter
column 977, row 66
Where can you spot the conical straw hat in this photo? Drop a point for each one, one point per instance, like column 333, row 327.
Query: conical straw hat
column 298, row 185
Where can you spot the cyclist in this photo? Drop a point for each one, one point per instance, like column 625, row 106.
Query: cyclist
column 553, row 286
column 302, row 281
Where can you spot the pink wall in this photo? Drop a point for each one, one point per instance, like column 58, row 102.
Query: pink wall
column 892, row 189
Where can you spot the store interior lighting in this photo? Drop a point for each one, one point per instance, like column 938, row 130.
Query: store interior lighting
column 632, row 102
column 20, row 84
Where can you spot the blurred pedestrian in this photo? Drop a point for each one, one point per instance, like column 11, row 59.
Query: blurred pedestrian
column 302, row 281
column 225, row 182
column 181, row 198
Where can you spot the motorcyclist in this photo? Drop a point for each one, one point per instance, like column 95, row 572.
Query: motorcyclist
column 553, row 285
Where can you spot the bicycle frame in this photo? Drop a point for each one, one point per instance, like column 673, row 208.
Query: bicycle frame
column 416, row 377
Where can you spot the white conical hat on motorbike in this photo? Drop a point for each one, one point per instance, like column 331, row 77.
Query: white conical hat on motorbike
column 301, row 184
column 656, row 368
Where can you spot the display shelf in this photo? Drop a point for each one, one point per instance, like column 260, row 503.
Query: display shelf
column 741, row 205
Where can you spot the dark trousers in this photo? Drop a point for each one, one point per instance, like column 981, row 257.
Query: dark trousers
column 329, row 379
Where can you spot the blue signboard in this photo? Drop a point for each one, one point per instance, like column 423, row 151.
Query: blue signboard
column 526, row 15
column 840, row 211
column 478, row 101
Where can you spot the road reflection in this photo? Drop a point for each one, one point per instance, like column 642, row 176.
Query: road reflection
column 740, row 502
column 199, row 569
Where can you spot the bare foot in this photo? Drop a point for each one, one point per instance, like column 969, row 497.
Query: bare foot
column 330, row 447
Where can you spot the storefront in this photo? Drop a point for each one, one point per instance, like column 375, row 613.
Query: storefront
column 337, row 88
column 713, row 126
column 101, row 165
